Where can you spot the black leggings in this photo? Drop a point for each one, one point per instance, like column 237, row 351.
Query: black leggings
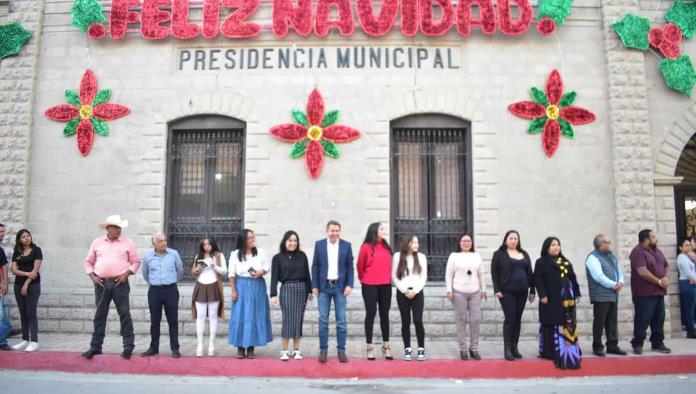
column 406, row 306
column 374, row 295
column 513, row 306
column 27, row 306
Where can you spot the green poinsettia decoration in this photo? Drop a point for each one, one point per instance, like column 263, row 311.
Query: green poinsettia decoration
column 683, row 14
column 633, row 31
column 13, row 36
column 679, row 74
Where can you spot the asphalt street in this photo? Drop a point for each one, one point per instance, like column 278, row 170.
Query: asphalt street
column 75, row 383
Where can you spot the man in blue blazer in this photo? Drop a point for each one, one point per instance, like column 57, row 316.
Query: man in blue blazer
column 332, row 278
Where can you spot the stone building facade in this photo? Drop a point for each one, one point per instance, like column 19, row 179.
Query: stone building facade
column 617, row 176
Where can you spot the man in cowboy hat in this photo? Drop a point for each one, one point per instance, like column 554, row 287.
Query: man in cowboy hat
column 110, row 261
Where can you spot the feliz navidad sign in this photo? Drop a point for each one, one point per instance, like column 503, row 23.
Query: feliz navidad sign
column 160, row 19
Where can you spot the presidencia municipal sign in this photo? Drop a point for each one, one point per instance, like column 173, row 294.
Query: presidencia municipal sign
column 237, row 19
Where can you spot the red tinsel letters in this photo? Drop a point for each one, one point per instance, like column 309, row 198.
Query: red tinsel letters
column 409, row 17
column 428, row 25
column 152, row 18
column 381, row 25
column 122, row 16
column 344, row 24
column 510, row 26
column 161, row 18
column 181, row 28
column 235, row 26
column 285, row 15
column 486, row 22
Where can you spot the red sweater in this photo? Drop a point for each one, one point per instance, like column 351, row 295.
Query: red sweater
column 374, row 268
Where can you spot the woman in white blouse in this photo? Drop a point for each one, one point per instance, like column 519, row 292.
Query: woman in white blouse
column 250, row 324
column 409, row 274
column 466, row 287
column 209, row 267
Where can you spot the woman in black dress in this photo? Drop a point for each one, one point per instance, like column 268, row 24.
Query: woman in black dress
column 513, row 284
column 291, row 267
column 26, row 263
column 559, row 292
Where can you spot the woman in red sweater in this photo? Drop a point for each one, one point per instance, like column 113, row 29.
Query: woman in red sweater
column 374, row 272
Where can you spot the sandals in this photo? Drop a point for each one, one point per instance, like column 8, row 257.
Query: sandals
column 370, row 353
column 386, row 352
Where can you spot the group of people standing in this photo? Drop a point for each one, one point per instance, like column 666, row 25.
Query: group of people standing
column 112, row 258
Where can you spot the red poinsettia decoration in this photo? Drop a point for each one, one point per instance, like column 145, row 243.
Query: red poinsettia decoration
column 87, row 112
column 552, row 113
column 314, row 134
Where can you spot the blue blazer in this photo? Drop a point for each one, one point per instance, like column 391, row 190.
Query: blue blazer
column 320, row 264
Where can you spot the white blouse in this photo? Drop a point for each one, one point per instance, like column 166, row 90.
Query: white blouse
column 414, row 280
column 241, row 268
column 465, row 273
column 208, row 274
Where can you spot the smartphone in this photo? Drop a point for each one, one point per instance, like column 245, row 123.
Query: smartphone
column 251, row 271
column 201, row 262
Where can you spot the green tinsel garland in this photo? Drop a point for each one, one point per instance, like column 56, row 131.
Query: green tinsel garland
column 13, row 37
column 683, row 14
column 633, row 31
column 557, row 10
column 679, row 74
column 85, row 13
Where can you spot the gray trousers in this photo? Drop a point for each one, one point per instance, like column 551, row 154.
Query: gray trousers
column 467, row 307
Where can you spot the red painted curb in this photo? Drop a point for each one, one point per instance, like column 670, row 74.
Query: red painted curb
column 311, row 368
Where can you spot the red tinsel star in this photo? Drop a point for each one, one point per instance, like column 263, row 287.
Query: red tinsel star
column 87, row 112
column 552, row 113
column 314, row 134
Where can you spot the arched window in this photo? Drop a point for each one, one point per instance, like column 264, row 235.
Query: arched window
column 431, row 185
column 205, row 183
column 685, row 193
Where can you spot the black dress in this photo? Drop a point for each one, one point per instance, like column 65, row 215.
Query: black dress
column 555, row 279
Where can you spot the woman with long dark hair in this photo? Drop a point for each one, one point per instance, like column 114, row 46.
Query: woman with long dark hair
column 291, row 268
column 26, row 263
column 209, row 267
column 374, row 272
column 559, row 292
column 465, row 279
column 409, row 274
column 513, row 284
column 250, row 324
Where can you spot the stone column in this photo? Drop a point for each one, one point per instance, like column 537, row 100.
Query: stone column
column 17, row 76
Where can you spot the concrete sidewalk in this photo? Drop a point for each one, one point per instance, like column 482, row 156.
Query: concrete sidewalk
column 310, row 347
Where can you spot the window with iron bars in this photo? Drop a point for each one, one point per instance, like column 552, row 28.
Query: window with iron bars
column 205, row 184
column 431, row 186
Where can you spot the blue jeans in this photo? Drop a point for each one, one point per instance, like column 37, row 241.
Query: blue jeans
column 332, row 291
column 687, row 296
column 5, row 325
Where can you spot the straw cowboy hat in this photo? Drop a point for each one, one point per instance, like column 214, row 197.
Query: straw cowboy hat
column 114, row 220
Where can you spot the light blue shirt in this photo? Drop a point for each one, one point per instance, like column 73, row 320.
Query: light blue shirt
column 164, row 269
column 687, row 270
column 595, row 268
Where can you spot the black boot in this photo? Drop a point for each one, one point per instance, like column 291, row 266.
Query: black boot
column 515, row 352
column 508, row 352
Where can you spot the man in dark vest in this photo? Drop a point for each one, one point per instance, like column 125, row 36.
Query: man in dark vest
column 605, row 281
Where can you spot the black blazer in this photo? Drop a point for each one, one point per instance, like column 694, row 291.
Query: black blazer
column 548, row 283
column 500, row 271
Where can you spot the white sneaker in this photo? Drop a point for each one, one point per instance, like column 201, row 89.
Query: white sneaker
column 284, row 356
column 21, row 345
column 33, row 346
column 199, row 350
column 421, row 354
column 408, row 354
column 298, row 354
column 211, row 349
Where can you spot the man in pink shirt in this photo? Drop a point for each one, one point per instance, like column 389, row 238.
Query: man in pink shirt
column 110, row 261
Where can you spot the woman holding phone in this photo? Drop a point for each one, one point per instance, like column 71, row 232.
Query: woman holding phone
column 209, row 267
column 250, row 324
column 409, row 274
